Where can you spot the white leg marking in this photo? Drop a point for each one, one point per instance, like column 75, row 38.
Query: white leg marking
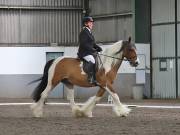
column 118, row 108
column 70, row 96
column 76, row 110
column 37, row 108
column 90, row 104
column 86, row 110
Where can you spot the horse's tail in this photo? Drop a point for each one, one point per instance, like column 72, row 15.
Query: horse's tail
column 34, row 81
column 36, row 95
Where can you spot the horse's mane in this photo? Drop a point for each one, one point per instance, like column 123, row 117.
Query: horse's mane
column 113, row 48
column 114, row 51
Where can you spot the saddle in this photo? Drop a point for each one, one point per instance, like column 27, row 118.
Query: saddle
column 87, row 68
column 90, row 69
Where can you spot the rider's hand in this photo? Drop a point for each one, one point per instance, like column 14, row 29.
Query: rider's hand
column 99, row 49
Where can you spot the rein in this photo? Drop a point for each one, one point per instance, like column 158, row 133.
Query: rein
column 113, row 57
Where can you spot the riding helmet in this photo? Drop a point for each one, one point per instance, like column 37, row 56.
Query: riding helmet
column 87, row 19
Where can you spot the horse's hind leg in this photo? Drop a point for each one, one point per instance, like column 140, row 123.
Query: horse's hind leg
column 70, row 91
column 38, row 106
column 70, row 96
column 91, row 103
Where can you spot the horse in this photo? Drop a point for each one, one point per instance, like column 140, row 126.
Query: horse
column 69, row 71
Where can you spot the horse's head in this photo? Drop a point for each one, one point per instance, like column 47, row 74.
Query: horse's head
column 129, row 52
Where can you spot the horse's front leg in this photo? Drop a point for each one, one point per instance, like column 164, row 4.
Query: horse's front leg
column 118, row 108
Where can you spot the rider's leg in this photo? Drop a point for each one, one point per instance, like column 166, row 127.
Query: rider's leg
column 92, row 72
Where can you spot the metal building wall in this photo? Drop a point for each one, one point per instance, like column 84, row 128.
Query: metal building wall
column 179, row 72
column 40, row 22
column 53, row 3
column 113, row 19
column 163, row 48
column 178, row 32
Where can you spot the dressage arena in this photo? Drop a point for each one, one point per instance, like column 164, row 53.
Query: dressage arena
column 149, row 117
column 139, row 63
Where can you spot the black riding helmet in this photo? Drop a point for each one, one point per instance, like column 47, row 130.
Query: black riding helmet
column 87, row 19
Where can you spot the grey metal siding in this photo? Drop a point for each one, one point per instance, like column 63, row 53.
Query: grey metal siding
column 36, row 26
column 163, row 47
column 99, row 7
column 179, row 77
column 41, row 3
column 163, row 41
column 164, row 81
column 162, row 11
column 178, row 27
column 50, row 27
column 179, row 54
column 114, row 29
column 178, row 9
column 9, row 22
column 113, row 19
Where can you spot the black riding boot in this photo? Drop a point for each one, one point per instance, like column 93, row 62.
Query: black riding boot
column 92, row 73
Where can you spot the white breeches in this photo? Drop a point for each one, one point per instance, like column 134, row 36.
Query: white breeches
column 89, row 58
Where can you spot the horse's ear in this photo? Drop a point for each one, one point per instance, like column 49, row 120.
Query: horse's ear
column 129, row 40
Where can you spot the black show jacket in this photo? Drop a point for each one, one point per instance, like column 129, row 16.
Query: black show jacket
column 87, row 45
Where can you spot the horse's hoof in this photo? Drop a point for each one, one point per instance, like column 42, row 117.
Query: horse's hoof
column 79, row 113
column 90, row 115
column 76, row 110
column 121, row 111
column 37, row 111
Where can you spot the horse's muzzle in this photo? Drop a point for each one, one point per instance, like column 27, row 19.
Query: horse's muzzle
column 135, row 63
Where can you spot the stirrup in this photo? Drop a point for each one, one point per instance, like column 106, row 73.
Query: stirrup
column 94, row 82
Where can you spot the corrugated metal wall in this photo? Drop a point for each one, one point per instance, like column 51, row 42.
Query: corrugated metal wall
column 113, row 19
column 35, row 22
column 163, row 48
column 163, row 41
column 162, row 11
column 164, row 84
column 179, row 76
column 41, row 22
column 178, row 17
column 48, row 3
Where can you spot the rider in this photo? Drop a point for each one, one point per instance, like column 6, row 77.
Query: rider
column 88, row 48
